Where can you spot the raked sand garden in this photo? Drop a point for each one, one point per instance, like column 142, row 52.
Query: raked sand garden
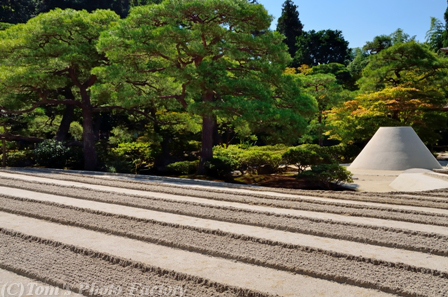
column 95, row 234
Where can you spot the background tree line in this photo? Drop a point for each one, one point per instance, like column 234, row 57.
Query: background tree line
column 169, row 83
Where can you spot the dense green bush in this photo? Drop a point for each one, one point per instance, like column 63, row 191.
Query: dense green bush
column 130, row 157
column 51, row 153
column 183, row 167
column 307, row 155
column 329, row 173
column 252, row 158
column 18, row 158
column 220, row 167
column 344, row 153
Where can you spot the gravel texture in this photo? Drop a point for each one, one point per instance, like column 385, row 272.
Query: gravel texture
column 66, row 265
column 388, row 213
column 60, row 264
column 382, row 236
column 371, row 273
column 422, row 198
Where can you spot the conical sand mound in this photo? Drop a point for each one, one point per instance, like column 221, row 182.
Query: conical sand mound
column 395, row 148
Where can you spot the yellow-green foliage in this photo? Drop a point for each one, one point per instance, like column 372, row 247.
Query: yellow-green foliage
column 252, row 158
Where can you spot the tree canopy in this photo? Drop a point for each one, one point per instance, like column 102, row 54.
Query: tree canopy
column 405, row 84
column 322, row 47
column 290, row 25
column 51, row 64
column 204, row 55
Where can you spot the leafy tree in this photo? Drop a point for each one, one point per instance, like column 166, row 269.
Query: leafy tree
column 360, row 61
column 53, row 52
column 378, row 44
column 17, row 11
column 289, row 25
column 437, row 36
column 204, row 55
column 322, row 47
column 121, row 7
column 400, row 37
column 402, row 85
column 340, row 71
column 328, row 94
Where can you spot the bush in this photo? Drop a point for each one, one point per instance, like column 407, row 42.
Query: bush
column 51, row 153
column 130, row 157
column 344, row 153
column 254, row 160
column 18, row 158
column 260, row 159
column 307, row 155
column 329, row 173
column 183, row 168
column 220, row 167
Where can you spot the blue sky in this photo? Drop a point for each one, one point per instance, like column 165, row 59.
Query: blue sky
column 362, row 20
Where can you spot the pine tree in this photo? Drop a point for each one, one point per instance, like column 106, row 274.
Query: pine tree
column 289, row 25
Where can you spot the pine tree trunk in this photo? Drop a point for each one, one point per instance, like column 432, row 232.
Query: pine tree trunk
column 64, row 127
column 88, row 135
column 3, row 153
column 208, row 126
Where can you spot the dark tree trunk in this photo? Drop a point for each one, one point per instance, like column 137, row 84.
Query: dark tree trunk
column 208, row 125
column 88, row 140
column 88, row 135
column 319, row 131
column 3, row 153
column 208, row 129
column 64, row 127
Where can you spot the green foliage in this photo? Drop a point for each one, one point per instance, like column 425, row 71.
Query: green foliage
column 289, row 25
column 17, row 11
column 403, row 85
column 51, row 153
column 306, row 155
column 318, row 163
column 183, row 167
column 329, row 173
column 220, row 167
column 213, row 65
column 378, row 44
column 437, row 35
column 52, row 52
column 359, row 62
column 4, row 26
column 322, row 47
column 328, row 94
column 130, row 157
column 258, row 159
column 18, row 158
column 343, row 153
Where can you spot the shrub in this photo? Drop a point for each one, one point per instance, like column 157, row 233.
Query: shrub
column 306, row 155
column 329, row 173
column 254, row 160
column 183, row 167
column 130, row 157
column 18, row 158
column 344, row 153
column 220, row 167
column 51, row 153
column 266, row 159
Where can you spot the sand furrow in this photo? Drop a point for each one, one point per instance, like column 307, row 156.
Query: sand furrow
column 382, row 236
column 83, row 270
column 354, row 270
column 12, row 284
column 421, row 217
column 420, row 199
column 223, row 271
